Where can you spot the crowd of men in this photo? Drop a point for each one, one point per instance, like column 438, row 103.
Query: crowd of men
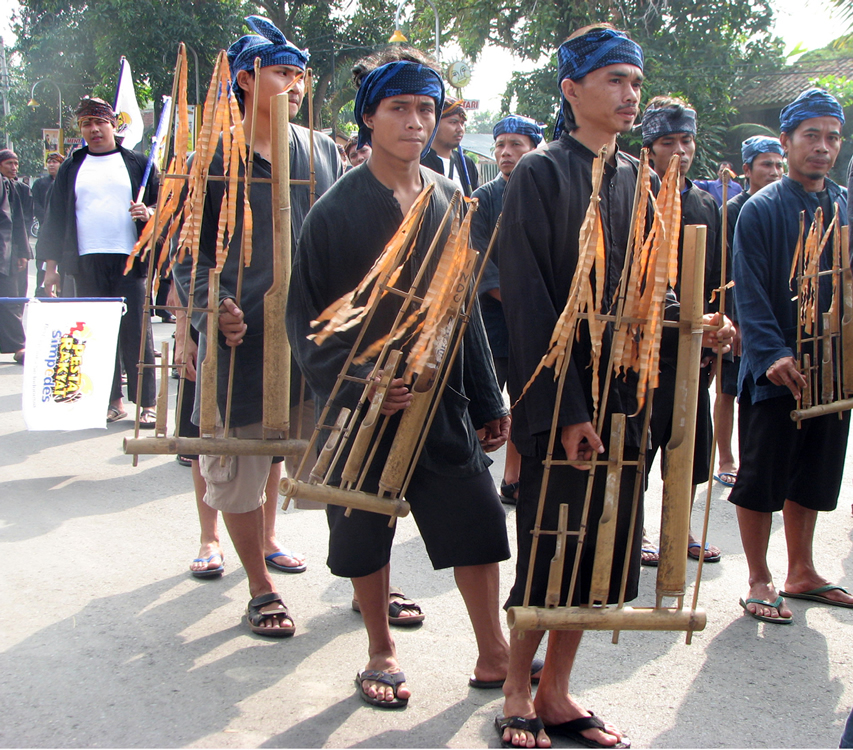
column 91, row 212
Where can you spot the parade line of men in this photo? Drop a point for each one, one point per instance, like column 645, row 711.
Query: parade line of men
column 408, row 137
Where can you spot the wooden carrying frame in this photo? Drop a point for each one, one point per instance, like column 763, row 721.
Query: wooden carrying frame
column 179, row 209
column 440, row 317
column 596, row 614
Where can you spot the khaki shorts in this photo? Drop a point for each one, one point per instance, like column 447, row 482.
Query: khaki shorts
column 238, row 485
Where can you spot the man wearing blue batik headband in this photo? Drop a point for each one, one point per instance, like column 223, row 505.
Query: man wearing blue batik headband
column 788, row 467
column 451, row 493
column 248, row 497
column 446, row 156
column 514, row 136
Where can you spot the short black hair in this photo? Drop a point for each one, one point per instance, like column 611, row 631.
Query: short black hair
column 396, row 53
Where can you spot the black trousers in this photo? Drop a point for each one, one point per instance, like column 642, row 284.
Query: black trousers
column 102, row 275
column 12, row 336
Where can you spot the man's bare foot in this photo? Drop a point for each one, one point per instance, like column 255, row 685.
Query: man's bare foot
column 568, row 709
column 380, row 691
column 766, row 592
column 203, row 561
column 521, row 705
column 809, row 584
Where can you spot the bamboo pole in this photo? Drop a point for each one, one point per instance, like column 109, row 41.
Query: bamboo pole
column 605, row 618
column 207, row 377
column 323, row 493
column 213, row 446
column 678, row 476
column 163, row 396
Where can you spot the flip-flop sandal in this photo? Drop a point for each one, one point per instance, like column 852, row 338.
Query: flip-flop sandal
column 271, row 563
column 209, row 572
column 508, row 492
column 766, row 618
column 392, row 679
column 147, row 419
column 114, row 414
column 709, row 558
column 572, row 730
column 396, row 609
column 266, row 607
column 535, row 668
column 652, row 563
column 534, row 726
column 726, row 478
column 815, row 595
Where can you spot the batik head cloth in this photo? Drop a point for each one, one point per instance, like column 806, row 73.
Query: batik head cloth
column 662, row 121
column 582, row 55
column 397, row 79
column 53, row 156
column 7, row 154
column 454, row 107
column 759, row 144
column 809, row 104
column 520, row 125
column 91, row 106
column 271, row 47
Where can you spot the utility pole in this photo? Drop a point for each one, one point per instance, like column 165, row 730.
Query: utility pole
column 4, row 89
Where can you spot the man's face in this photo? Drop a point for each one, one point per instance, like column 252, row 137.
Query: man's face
column 402, row 126
column 53, row 167
column 9, row 168
column 450, row 132
column 99, row 134
column 663, row 149
column 765, row 168
column 357, row 156
column 509, row 148
column 812, row 148
column 606, row 99
column 273, row 80
column 724, row 166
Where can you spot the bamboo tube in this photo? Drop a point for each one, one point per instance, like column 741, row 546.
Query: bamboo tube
column 605, row 618
column 798, row 415
column 318, row 473
column 367, row 428
column 678, row 478
column 847, row 319
column 555, row 574
column 323, row 493
column 213, row 446
column 207, row 379
column 408, row 432
column 806, row 400
column 276, row 405
column 827, row 390
column 606, row 536
column 163, row 395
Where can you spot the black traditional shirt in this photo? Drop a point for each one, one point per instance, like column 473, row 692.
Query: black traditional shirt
column 483, row 223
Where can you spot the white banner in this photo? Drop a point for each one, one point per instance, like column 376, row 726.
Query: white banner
column 70, row 362
column 130, row 125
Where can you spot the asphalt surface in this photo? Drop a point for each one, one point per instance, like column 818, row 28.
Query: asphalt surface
column 107, row 641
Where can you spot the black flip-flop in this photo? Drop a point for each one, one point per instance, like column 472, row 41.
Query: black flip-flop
column 572, row 730
column 392, row 679
column 535, row 668
column 534, row 726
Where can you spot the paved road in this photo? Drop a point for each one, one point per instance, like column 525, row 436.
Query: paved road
column 107, row 641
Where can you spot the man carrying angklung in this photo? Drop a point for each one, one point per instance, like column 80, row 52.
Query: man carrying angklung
column 246, row 493
column 451, row 493
column 515, row 136
column 763, row 163
column 785, row 466
column 600, row 77
column 669, row 128
column 445, row 156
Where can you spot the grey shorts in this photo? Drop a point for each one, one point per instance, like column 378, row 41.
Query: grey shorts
column 238, row 485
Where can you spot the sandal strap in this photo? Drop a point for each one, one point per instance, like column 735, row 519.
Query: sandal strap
column 534, row 725
column 584, row 723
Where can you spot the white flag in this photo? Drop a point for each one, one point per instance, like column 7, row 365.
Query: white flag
column 70, row 362
column 127, row 109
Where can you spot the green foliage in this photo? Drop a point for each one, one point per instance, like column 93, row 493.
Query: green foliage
column 481, row 121
column 840, row 87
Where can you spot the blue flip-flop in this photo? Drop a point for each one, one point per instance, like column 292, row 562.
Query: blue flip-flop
column 271, row 563
column 209, row 572
column 726, row 478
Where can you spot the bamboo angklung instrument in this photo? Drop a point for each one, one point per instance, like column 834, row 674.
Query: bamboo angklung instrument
column 438, row 319
column 650, row 268
column 824, row 340
column 176, row 211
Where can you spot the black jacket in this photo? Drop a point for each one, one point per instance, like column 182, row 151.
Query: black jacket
column 433, row 161
column 58, row 236
column 13, row 232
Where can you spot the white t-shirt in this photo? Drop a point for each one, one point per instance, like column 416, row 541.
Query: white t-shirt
column 450, row 171
column 103, row 194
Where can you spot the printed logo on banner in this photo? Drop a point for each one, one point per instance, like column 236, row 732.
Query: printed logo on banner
column 65, row 380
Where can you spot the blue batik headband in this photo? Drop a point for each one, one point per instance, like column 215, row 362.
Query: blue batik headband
column 759, row 144
column 395, row 79
column 809, row 104
column 582, row 55
column 662, row 121
column 519, row 125
column 271, row 46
